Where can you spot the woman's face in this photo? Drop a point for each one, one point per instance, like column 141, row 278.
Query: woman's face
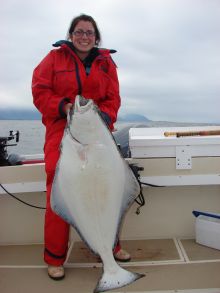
column 83, row 37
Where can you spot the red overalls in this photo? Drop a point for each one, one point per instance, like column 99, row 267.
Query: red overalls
column 57, row 80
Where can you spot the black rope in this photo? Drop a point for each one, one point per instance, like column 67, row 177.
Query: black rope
column 152, row 185
column 140, row 200
column 22, row 201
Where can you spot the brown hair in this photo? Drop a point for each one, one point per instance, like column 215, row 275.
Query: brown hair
column 84, row 17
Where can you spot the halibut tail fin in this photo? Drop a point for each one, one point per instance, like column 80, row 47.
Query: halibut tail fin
column 116, row 279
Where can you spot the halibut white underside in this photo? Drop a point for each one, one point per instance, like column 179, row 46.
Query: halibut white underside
column 92, row 189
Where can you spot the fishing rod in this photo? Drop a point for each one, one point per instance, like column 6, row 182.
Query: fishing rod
column 192, row 133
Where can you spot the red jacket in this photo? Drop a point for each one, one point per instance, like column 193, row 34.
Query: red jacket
column 60, row 76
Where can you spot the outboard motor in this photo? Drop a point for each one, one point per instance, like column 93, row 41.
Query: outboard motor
column 4, row 144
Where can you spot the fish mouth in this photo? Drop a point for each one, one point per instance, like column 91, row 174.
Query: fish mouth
column 82, row 104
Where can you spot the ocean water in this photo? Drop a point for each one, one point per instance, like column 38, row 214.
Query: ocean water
column 32, row 133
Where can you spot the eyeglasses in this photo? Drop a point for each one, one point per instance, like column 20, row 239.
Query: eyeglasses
column 80, row 33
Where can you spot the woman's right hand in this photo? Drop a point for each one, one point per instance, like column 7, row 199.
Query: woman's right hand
column 67, row 107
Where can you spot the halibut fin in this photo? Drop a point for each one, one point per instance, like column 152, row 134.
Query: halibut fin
column 116, row 279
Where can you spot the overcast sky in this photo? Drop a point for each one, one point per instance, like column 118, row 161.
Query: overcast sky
column 168, row 52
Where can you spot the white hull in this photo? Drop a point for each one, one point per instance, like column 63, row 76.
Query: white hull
column 167, row 214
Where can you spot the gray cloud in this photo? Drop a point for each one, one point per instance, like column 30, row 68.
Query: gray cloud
column 168, row 52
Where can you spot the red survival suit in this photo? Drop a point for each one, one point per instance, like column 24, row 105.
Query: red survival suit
column 57, row 80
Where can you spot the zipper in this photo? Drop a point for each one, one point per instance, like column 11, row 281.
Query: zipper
column 78, row 77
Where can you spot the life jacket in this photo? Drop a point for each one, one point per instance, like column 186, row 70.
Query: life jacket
column 61, row 75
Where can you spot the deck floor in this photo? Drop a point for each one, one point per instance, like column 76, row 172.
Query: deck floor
column 170, row 265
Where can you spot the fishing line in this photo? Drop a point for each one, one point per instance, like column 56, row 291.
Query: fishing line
column 22, row 201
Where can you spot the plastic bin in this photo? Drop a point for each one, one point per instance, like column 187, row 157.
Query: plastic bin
column 207, row 229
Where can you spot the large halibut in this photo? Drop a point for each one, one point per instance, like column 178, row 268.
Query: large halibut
column 93, row 187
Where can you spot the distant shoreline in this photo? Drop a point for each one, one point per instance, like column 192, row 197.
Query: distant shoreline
column 34, row 115
column 13, row 114
column 149, row 123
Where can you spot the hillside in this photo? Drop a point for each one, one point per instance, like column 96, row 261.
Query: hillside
column 133, row 118
column 18, row 114
column 32, row 114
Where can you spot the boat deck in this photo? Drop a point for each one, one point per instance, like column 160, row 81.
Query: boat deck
column 170, row 265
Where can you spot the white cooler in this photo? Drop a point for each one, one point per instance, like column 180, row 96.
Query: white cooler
column 208, row 231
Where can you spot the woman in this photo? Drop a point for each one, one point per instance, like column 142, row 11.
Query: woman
column 78, row 66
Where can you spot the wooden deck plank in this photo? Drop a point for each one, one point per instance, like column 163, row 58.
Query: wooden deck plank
column 140, row 250
column 181, row 276
column 166, row 277
column 196, row 252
